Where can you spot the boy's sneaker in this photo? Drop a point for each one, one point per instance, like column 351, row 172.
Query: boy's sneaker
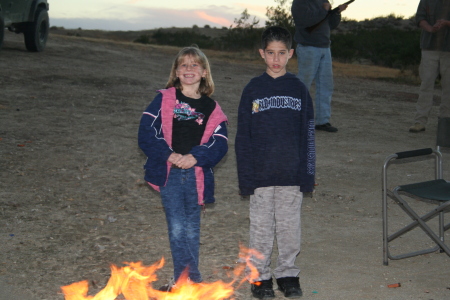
column 290, row 286
column 263, row 289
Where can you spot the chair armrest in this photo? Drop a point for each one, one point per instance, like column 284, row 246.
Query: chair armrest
column 414, row 153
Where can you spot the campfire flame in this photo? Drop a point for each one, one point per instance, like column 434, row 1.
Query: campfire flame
column 134, row 280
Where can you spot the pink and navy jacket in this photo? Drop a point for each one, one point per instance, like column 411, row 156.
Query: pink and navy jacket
column 155, row 140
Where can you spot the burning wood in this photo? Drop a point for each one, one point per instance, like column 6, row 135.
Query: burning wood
column 134, row 282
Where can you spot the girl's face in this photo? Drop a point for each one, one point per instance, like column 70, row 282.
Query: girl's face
column 190, row 72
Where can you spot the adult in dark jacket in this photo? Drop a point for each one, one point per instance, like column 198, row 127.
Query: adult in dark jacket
column 314, row 54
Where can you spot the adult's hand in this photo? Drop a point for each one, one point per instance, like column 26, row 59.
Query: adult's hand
column 342, row 7
column 327, row 5
column 441, row 24
column 427, row 27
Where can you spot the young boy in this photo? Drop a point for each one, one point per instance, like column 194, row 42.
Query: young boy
column 275, row 151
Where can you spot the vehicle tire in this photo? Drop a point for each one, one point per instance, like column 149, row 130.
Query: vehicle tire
column 36, row 32
column 2, row 31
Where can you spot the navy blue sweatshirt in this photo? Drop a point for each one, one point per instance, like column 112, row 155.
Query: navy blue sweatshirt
column 275, row 144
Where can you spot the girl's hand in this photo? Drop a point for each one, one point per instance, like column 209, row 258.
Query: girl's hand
column 186, row 161
column 174, row 158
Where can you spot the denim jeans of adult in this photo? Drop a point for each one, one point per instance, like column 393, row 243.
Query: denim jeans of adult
column 314, row 64
column 180, row 201
column 432, row 64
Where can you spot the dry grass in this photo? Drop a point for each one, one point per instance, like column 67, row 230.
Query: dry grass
column 365, row 71
column 375, row 72
column 252, row 57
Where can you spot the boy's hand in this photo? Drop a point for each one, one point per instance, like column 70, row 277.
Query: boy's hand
column 327, row 5
column 186, row 161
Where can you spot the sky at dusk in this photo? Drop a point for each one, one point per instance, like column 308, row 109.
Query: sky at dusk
column 150, row 14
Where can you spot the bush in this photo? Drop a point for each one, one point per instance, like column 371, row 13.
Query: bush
column 182, row 38
column 143, row 39
column 386, row 46
column 238, row 39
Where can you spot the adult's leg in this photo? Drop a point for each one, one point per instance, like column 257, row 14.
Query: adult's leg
column 288, row 203
column 262, row 229
column 308, row 63
column 444, row 111
column 428, row 72
column 324, row 87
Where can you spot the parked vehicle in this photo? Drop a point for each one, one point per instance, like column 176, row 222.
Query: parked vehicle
column 29, row 17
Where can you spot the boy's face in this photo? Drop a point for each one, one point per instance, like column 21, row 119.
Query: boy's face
column 276, row 55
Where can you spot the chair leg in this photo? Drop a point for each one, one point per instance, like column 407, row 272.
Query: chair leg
column 442, row 229
column 388, row 238
column 420, row 221
column 385, row 224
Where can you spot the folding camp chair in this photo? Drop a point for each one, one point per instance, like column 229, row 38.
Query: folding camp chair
column 435, row 191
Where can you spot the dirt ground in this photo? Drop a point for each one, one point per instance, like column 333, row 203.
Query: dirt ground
column 73, row 200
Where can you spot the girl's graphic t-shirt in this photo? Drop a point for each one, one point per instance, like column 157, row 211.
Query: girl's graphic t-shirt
column 190, row 119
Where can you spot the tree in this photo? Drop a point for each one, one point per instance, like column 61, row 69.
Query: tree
column 245, row 34
column 243, row 21
column 280, row 15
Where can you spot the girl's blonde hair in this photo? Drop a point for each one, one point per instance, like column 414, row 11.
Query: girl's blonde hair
column 206, row 84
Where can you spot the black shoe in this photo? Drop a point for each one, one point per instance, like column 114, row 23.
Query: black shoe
column 290, row 286
column 326, row 127
column 263, row 289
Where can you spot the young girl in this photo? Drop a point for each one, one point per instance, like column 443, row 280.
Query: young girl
column 183, row 134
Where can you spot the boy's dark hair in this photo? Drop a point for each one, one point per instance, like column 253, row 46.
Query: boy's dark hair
column 276, row 34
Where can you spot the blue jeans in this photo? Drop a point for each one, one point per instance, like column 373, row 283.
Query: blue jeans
column 315, row 64
column 180, row 201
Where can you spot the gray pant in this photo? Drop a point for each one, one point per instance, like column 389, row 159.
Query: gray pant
column 275, row 213
column 432, row 64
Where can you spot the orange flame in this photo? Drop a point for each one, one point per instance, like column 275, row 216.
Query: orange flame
column 134, row 282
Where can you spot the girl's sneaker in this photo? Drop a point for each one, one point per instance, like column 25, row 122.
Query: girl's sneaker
column 168, row 287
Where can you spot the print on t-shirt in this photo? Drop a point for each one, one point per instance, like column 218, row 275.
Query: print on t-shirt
column 184, row 111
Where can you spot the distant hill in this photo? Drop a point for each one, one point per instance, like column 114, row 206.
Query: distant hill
column 130, row 36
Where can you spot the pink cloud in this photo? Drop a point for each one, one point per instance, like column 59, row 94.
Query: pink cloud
column 254, row 8
column 216, row 20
